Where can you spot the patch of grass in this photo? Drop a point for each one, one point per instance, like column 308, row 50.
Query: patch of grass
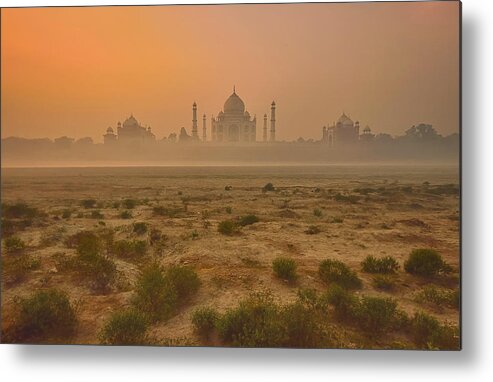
column 429, row 333
column 126, row 214
column 155, row 236
column 335, row 271
column 229, row 210
column 129, row 204
column 285, row 268
column 204, row 322
column 268, row 187
column 426, row 262
column 45, row 316
column 185, row 281
column 66, row 214
column 13, row 244
column 170, row 212
column 129, row 249
column 128, row 327
column 16, row 268
column 384, row 282
column 248, row 220
column 386, row 264
column 337, row 220
column 140, row 228
column 312, row 230
column 438, row 297
column 18, row 210
column 346, row 198
column 227, row 227
column 88, row 203
column 96, row 215
column 317, row 212
column 98, row 271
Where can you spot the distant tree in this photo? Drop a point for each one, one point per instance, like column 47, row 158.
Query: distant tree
column 422, row 132
column 86, row 141
column 384, row 138
column 64, row 142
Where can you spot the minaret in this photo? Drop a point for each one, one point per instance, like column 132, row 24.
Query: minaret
column 204, row 129
column 273, row 122
column 265, row 127
column 195, row 133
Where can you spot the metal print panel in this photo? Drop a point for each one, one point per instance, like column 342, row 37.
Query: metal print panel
column 268, row 175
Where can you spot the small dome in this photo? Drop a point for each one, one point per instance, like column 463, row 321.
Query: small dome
column 247, row 114
column 234, row 104
column 367, row 129
column 131, row 121
column 109, row 130
column 345, row 120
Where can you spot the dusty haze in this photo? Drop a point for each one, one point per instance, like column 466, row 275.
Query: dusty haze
column 76, row 71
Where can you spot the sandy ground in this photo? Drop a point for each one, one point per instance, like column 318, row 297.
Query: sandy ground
column 391, row 221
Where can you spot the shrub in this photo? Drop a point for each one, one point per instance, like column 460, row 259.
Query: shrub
column 66, row 214
column 204, row 321
column 268, row 187
column 429, row 333
column 385, row 264
column 126, row 215
column 83, row 238
column 155, row 296
column 97, row 270
column 335, row 271
column 88, row 203
column 342, row 301
column 96, row 215
column 129, row 249
column 229, row 210
column 18, row 210
column 346, row 198
column 248, row 220
column 129, row 203
column 384, row 282
column 302, row 327
column 45, row 315
column 227, row 227
column 253, row 323
column 284, row 268
column 88, row 243
column 167, row 211
column 140, row 228
column 312, row 230
column 376, row 314
column 439, row 297
column 426, row 262
column 155, row 236
column 16, row 268
column 13, row 244
column 317, row 212
column 127, row 327
column 116, row 204
column 185, row 281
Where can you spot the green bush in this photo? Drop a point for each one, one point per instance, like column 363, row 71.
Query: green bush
column 167, row 211
column 88, row 243
column 229, row 210
column 426, row 262
column 227, row 227
column 140, row 228
column 129, row 249
column 376, row 314
column 18, row 210
column 88, row 203
column 346, row 198
column 285, row 268
column 385, row 264
column 126, row 215
column 45, row 316
column 128, row 327
column 96, row 215
column 16, row 268
column 204, row 322
column 248, row 220
column 342, row 300
column 13, row 244
column 268, row 187
column 66, row 214
column 155, row 295
column 384, row 282
column 83, row 238
column 95, row 269
column 429, row 333
column 185, row 281
column 129, row 203
column 439, row 297
column 335, row 271
column 317, row 212
column 253, row 323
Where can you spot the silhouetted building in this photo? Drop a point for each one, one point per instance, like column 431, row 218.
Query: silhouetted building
column 129, row 133
column 367, row 135
column 343, row 132
column 234, row 124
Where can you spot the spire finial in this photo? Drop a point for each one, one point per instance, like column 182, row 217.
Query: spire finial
column 234, row 89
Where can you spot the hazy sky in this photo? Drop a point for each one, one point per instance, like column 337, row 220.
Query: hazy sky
column 76, row 71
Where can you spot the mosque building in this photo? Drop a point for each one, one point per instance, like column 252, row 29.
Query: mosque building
column 345, row 132
column 131, row 132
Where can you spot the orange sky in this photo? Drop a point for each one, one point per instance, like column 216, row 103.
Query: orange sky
column 76, row 71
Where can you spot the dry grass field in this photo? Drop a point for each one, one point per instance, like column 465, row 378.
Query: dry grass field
column 215, row 233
